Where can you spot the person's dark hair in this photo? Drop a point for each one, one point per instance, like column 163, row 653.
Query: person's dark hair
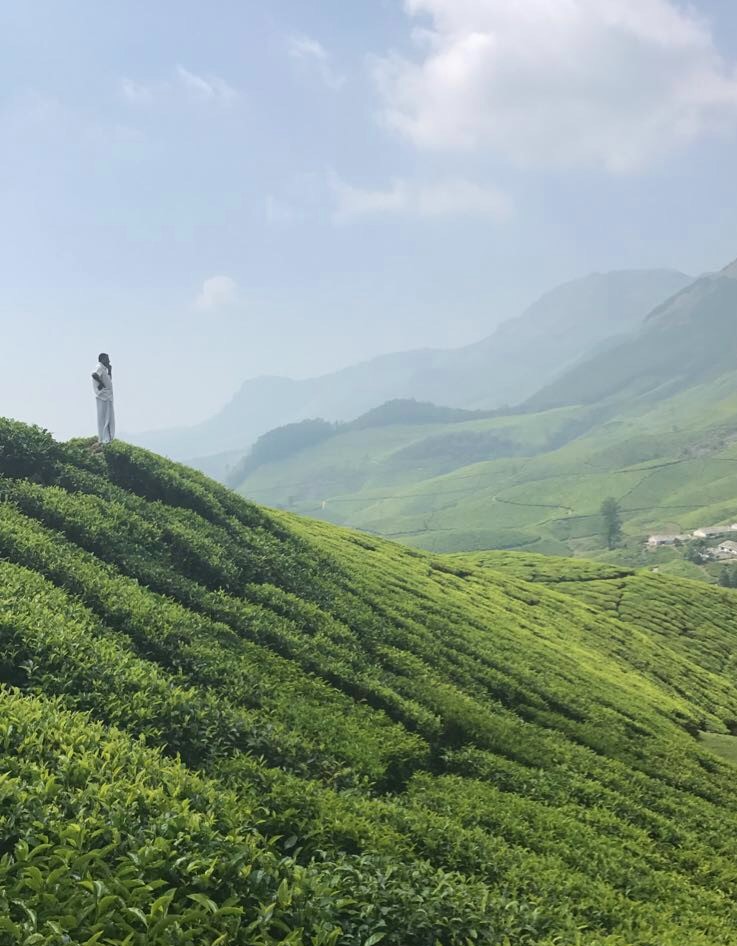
column 104, row 359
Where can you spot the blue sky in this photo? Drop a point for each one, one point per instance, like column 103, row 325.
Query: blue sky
column 215, row 191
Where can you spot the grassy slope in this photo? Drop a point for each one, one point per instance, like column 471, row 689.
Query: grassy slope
column 222, row 725
column 672, row 465
column 366, row 476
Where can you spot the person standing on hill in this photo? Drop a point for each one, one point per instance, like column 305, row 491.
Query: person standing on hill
column 102, row 384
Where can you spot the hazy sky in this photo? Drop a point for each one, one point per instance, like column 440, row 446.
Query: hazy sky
column 211, row 191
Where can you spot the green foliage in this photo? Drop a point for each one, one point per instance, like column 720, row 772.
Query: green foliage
column 611, row 514
column 728, row 577
column 27, row 451
column 695, row 551
column 103, row 841
column 222, row 725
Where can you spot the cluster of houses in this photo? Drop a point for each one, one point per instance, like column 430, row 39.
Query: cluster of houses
column 724, row 550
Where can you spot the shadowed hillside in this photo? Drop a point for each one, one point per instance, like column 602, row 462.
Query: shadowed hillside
column 224, row 725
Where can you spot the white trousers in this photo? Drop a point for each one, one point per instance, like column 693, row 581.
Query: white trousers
column 105, row 421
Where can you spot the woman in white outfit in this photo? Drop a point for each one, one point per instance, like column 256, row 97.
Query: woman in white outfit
column 102, row 384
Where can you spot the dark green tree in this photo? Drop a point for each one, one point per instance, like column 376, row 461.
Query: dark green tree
column 611, row 514
column 696, row 552
column 725, row 578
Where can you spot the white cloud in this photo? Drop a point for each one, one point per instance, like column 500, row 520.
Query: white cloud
column 205, row 88
column 443, row 198
column 310, row 51
column 183, row 83
column 216, row 292
column 607, row 83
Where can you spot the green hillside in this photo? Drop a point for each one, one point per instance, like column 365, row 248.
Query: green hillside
column 532, row 480
column 285, row 442
column 354, row 466
column 221, row 725
column 650, row 422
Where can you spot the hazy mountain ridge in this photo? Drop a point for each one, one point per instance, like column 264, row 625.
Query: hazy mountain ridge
column 508, row 366
column 651, row 419
column 688, row 339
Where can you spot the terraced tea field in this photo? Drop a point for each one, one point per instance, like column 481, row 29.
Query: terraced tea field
column 220, row 724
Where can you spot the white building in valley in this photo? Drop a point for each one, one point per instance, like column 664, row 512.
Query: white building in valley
column 712, row 532
column 659, row 540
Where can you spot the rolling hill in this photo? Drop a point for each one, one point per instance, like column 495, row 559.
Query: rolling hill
column 283, row 443
column 526, row 480
column 651, row 422
column 220, row 724
column 510, row 365
column 358, row 464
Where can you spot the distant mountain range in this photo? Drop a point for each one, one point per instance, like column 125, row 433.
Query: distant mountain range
column 510, row 365
column 650, row 420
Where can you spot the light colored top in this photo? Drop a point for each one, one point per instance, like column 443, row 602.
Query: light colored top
column 104, row 393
